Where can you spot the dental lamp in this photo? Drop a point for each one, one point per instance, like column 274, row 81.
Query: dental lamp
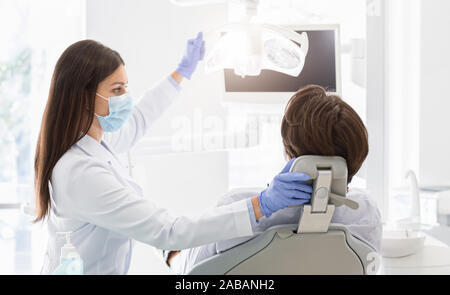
column 249, row 48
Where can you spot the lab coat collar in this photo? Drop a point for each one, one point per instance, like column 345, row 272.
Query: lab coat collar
column 104, row 152
column 94, row 148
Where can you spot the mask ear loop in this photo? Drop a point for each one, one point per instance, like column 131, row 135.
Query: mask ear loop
column 102, row 97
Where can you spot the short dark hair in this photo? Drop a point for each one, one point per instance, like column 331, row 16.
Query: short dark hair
column 316, row 123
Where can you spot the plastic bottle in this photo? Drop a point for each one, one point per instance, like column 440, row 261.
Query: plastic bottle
column 70, row 261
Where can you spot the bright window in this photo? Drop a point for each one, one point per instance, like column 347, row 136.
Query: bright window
column 36, row 34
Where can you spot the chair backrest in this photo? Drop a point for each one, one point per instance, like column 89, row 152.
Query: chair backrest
column 282, row 251
column 314, row 246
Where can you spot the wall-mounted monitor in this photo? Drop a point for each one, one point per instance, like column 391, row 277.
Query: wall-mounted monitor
column 322, row 67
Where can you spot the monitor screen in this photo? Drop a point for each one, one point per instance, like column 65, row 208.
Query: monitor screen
column 319, row 69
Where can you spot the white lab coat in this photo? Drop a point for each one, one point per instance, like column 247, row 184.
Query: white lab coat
column 93, row 197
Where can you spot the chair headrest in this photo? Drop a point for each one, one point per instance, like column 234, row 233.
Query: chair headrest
column 311, row 165
column 329, row 181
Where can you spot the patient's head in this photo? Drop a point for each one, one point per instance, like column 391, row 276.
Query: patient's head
column 319, row 124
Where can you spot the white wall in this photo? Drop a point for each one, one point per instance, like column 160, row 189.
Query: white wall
column 435, row 99
column 376, row 127
column 402, row 78
column 417, row 68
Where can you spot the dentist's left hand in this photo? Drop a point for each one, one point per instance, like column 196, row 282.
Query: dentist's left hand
column 195, row 52
column 287, row 189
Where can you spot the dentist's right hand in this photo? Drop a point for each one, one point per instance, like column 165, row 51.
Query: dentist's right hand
column 195, row 52
column 287, row 189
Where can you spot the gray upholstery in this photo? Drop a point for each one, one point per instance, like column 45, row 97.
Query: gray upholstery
column 312, row 164
column 281, row 251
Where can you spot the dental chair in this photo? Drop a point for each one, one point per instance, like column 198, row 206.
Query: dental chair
column 314, row 246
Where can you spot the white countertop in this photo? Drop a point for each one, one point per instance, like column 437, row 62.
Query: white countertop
column 433, row 259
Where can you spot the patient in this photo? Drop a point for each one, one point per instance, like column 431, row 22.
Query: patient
column 314, row 124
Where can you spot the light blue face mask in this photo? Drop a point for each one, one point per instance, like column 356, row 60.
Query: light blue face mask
column 120, row 110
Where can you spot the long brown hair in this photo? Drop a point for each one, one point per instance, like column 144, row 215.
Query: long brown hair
column 324, row 125
column 69, row 112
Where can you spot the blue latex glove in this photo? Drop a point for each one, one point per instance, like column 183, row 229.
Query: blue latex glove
column 195, row 52
column 287, row 189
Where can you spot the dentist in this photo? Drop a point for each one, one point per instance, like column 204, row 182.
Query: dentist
column 81, row 186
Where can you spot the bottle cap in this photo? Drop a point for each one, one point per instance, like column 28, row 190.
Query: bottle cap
column 68, row 250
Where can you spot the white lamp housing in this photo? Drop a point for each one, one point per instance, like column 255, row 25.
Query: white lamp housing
column 249, row 48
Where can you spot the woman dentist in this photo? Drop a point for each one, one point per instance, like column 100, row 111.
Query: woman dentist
column 81, row 187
